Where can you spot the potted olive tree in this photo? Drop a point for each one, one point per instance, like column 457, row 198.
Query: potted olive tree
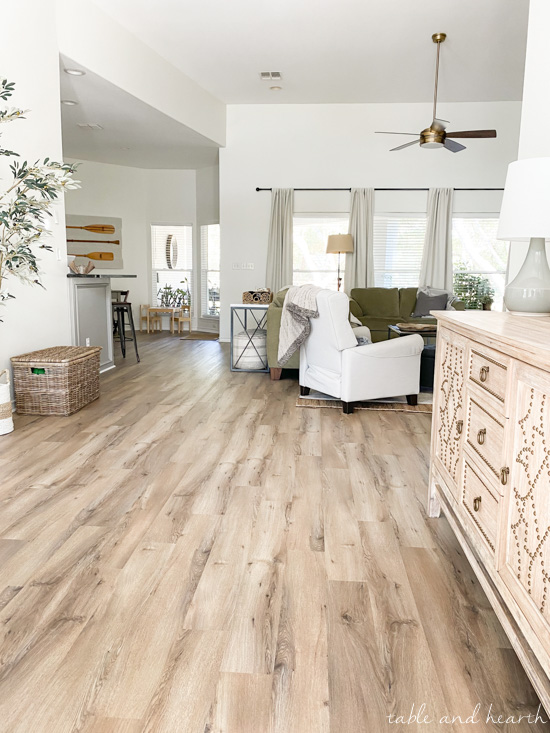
column 25, row 202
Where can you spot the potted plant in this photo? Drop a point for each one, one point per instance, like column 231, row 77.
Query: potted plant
column 486, row 294
column 24, row 203
column 473, row 290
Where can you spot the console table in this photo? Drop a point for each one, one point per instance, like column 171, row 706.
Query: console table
column 490, row 467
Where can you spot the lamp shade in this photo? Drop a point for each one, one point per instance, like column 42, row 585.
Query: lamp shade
column 339, row 243
column 525, row 211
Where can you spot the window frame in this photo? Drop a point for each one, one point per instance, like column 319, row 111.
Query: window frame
column 399, row 215
column 344, row 215
column 153, row 270
column 204, row 272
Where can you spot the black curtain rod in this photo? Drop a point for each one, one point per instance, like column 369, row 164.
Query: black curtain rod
column 385, row 189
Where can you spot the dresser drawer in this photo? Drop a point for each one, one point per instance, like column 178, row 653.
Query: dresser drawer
column 480, row 504
column 489, row 370
column 485, row 434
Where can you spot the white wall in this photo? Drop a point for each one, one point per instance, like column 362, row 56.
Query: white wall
column 335, row 146
column 141, row 198
column 37, row 318
column 534, row 136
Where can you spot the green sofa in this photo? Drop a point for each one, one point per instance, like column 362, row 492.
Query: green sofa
column 379, row 308
column 376, row 308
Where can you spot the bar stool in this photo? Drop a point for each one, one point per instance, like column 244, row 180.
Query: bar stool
column 121, row 309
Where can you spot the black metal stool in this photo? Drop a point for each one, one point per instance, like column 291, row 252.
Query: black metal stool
column 120, row 310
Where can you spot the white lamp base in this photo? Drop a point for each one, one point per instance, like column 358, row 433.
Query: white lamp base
column 529, row 292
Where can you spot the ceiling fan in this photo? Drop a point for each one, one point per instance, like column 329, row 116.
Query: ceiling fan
column 435, row 136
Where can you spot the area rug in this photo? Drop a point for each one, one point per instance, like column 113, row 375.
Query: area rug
column 200, row 336
column 397, row 404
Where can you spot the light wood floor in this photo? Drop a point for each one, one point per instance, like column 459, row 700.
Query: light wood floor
column 193, row 553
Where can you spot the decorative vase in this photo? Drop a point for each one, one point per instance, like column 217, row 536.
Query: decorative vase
column 6, row 419
column 487, row 306
column 529, row 292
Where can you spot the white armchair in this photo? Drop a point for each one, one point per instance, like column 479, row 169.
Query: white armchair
column 333, row 363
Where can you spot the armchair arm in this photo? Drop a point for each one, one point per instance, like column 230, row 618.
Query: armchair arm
column 404, row 346
column 355, row 308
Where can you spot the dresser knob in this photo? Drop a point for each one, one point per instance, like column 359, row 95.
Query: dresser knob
column 504, row 475
column 481, row 436
column 477, row 503
column 459, row 426
column 483, row 373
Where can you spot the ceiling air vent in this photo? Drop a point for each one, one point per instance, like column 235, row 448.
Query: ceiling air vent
column 89, row 126
column 270, row 75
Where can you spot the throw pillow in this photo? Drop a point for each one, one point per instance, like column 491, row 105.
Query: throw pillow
column 426, row 303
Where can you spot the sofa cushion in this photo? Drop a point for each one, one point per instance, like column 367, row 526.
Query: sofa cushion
column 426, row 303
column 377, row 302
column 279, row 298
column 407, row 301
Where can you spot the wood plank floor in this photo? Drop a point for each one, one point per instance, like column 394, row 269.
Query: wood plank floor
column 194, row 554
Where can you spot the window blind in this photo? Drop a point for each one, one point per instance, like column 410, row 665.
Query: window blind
column 397, row 249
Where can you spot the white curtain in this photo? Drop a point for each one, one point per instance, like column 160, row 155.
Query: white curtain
column 437, row 257
column 360, row 262
column 279, row 248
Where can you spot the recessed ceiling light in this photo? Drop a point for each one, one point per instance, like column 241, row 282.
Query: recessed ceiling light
column 75, row 72
column 276, row 89
column 69, row 102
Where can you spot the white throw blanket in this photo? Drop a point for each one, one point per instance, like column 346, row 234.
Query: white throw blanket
column 300, row 305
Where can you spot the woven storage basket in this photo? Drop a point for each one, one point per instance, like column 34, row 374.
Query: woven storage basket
column 6, row 420
column 261, row 296
column 56, row 381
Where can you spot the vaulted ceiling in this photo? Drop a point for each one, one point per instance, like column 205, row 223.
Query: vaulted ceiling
column 345, row 51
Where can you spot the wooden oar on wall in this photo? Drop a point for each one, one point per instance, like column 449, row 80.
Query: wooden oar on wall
column 96, row 228
column 95, row 241
column 105, row 256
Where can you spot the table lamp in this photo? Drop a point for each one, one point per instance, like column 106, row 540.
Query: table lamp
column 338, row 243
column 525, row 216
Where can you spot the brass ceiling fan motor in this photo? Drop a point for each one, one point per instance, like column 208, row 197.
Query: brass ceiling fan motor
column 436, row 136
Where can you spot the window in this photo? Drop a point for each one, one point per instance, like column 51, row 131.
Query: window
column 477, row 252
column 210, row 270
column 172, row 260
column 397, row 249
column 311, row 263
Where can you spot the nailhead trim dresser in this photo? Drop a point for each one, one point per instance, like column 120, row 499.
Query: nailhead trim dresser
column 490, row 467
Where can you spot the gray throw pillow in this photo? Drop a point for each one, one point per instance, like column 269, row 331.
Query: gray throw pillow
column 426, row 303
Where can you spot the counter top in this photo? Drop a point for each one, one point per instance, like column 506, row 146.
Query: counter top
column 72, row 274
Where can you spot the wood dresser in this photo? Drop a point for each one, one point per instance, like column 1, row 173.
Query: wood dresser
column 490, row 467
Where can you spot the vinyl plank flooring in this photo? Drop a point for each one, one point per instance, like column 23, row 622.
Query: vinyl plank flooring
column 191, row 553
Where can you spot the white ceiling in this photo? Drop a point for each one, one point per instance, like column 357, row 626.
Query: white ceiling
column 337, row 51
column 134, row 134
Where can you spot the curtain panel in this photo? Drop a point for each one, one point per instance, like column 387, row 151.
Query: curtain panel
column 279, row 247
column 437, row 259
column 360, row 263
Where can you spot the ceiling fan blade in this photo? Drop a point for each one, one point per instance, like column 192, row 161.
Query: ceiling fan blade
column 383, row 132
column 439, row 125
column 453, row 147
column 406, row 145
column 473, row 133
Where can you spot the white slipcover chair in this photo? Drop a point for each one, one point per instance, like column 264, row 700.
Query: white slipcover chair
column 331, row 361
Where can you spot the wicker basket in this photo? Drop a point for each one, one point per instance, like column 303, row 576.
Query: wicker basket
column 56, row 381
column 257, row 296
